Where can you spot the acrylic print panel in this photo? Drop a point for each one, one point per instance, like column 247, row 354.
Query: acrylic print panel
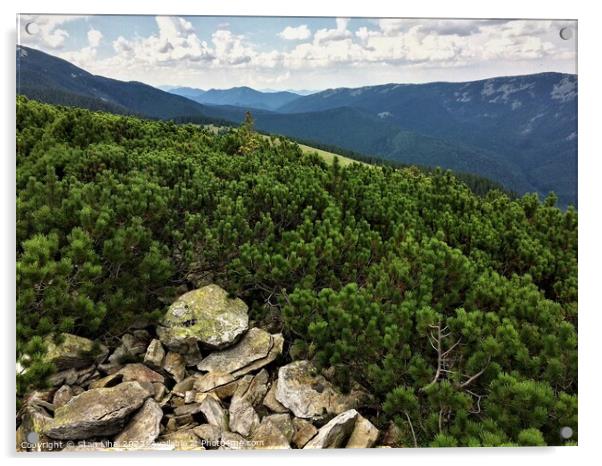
column 278, row 232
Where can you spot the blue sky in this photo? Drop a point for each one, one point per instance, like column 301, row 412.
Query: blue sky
column 299, row 53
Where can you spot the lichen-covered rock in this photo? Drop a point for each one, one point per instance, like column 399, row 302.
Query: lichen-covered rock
column 234, row 441
column 97, row 412
column 270, row 401
column 308, row 394
column 209, row 434
column 268, row 436
column 31, row 434
column 207, row 316
column 284, row 423
column 134, row 372
column 181, row 440
column 175, row 365
column 252, row 388
column 252, row 352
column 243, row 417
column 214, row 412
column 304, row 432
column 143, row 428
column 74, row 352
column 364, row 435
column 212, row 380
column 335, row 432
column 62, row 396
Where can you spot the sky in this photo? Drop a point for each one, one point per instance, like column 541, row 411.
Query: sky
column 291, row 53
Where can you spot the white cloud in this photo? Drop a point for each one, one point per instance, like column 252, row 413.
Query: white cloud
column 339, row 33
column 386, row 50
column 94, row 37
column 295, row 33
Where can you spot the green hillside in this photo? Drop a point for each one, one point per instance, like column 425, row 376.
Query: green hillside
column 455, row 313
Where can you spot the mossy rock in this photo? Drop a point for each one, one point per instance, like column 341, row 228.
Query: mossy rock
column 207, row 316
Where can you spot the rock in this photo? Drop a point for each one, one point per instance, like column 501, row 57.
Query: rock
column 154, row 354
column 66, row 377
column 304, row 432
column 120, row 356
column 87, row 374
column 34, row 419
column 271, row 402
column 74, row 352
column 135, row 372
column 97, row 412
column 308, row 394
column 190, row 396
column 133, row 344
column 62, row 396
column 284, row 423
column 207, row 316
column 335, row 432
column 184, row 386
column 187, row 410
column 160, row 393
column 252, row 388
column 233, row 441
column 175, row 365
column 275, row 351
column 182, row 440
column 214, row 413
column 243, row 418
column 269, row 436
column 364, row 434
column 212, row 380
column 254, row 347
column 209, row 434
column 391, row 437
column 143, row 428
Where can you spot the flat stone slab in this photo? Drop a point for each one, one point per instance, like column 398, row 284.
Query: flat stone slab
column 97, row 412
column 254, row 346
column 143, row 428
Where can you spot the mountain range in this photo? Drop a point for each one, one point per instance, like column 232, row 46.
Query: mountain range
column 520, row 130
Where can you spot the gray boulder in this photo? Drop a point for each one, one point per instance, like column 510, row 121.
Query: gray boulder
column 335, row 432
column 255, row 350
column 307, row 393
column 207, row 316
column 97, row 412
column 74, row 352
column 143, row 428
column 364, row 435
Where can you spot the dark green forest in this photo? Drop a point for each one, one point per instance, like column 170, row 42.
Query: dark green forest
column 457, row 312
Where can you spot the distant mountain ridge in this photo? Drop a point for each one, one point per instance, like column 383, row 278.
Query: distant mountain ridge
column 520, row 131
column 239, row 97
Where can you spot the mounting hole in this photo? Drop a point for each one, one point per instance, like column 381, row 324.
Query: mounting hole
column 566, row 432
column 566, row 33
column 32, row 28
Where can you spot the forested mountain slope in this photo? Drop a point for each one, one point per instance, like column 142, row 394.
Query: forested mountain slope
column 456, row 313
column 51, row 79
column 529, row 121
column 519, row 131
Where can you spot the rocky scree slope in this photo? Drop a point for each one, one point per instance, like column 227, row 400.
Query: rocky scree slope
column 201, row 379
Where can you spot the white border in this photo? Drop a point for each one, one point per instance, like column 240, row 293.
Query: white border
column 590, row 174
